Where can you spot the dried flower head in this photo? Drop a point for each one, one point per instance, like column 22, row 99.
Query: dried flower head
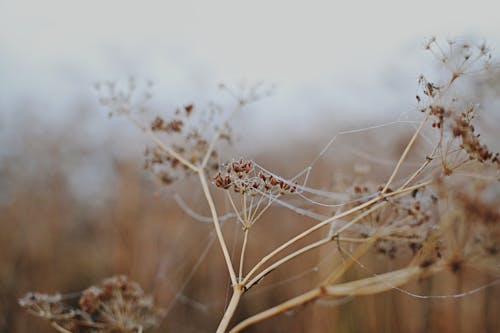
column 188, row 134
column 115, row 305
column 249, row 181
column 243, row 177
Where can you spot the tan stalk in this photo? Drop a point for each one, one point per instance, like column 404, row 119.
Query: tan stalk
column 406, row 151
column 236, row 211
column 270, row 202
column 218, row 230
column 318, row 226
column 367, row 286
column 256, row 209
column 231, row 308
column 245, row 212
column 309, row 247
column 243, row 249
column 360, row 251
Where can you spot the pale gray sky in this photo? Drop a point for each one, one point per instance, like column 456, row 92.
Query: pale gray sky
column 55, row 43
column 324, row 56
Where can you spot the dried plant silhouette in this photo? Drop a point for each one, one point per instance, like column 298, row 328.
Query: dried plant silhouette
column 443, row 215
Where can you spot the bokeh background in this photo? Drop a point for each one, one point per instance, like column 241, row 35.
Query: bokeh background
column 76, row 205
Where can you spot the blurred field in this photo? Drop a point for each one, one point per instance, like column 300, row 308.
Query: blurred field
column 51, row 241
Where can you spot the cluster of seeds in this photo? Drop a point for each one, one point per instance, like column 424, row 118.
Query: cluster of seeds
column 115, row 305
column 463, row 129
column 188, row 141
column 459, row 59
column 439, row 113
column 242, row 177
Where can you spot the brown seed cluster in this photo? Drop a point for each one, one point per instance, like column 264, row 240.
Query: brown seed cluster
column 115, row 305
column 187, row 141
column 243, row 178
column 463, row 129
column 440, row 113
column 174, row 125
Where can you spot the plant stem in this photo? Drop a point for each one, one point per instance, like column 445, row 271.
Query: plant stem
column 242, row 257
column 235, row 209
column 231, row 308
column 326, row 222
column 405, row 152
column 314, row 245
column 367, row 286
column 289, row 257
column 218, row 230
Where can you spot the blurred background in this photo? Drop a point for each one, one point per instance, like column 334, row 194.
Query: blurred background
column 76, row 205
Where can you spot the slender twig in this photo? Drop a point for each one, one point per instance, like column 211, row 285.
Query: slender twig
column 269, row 203
column 252, row 216
column 309, row 247
column 289, row 257
column 428, row 160
column 318, row 226
column 236, row 211
column 346, row 264
column 218, row 230
column 245, row 212
column 406, row 151
column 242, row 256
column 365, row 286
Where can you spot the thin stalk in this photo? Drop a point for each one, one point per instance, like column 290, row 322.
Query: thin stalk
column 234, row 208
column 245, row 212
column 256, row 218
column 289, row 257
column 405, row 152
column 360, row 251
column 250, row 208
column 231, row 308
column 304, row 234
column 428, row 160
column 309, row 247
column 218, row 230
column 242, row 256
column 256, row 209
column 367, row 286
column 329, row 220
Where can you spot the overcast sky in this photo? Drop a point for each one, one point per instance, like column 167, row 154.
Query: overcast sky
column 327, row 51
column 327, row 57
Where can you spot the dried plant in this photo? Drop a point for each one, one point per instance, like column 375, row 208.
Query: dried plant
column 423, row 216
column 115, row 305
